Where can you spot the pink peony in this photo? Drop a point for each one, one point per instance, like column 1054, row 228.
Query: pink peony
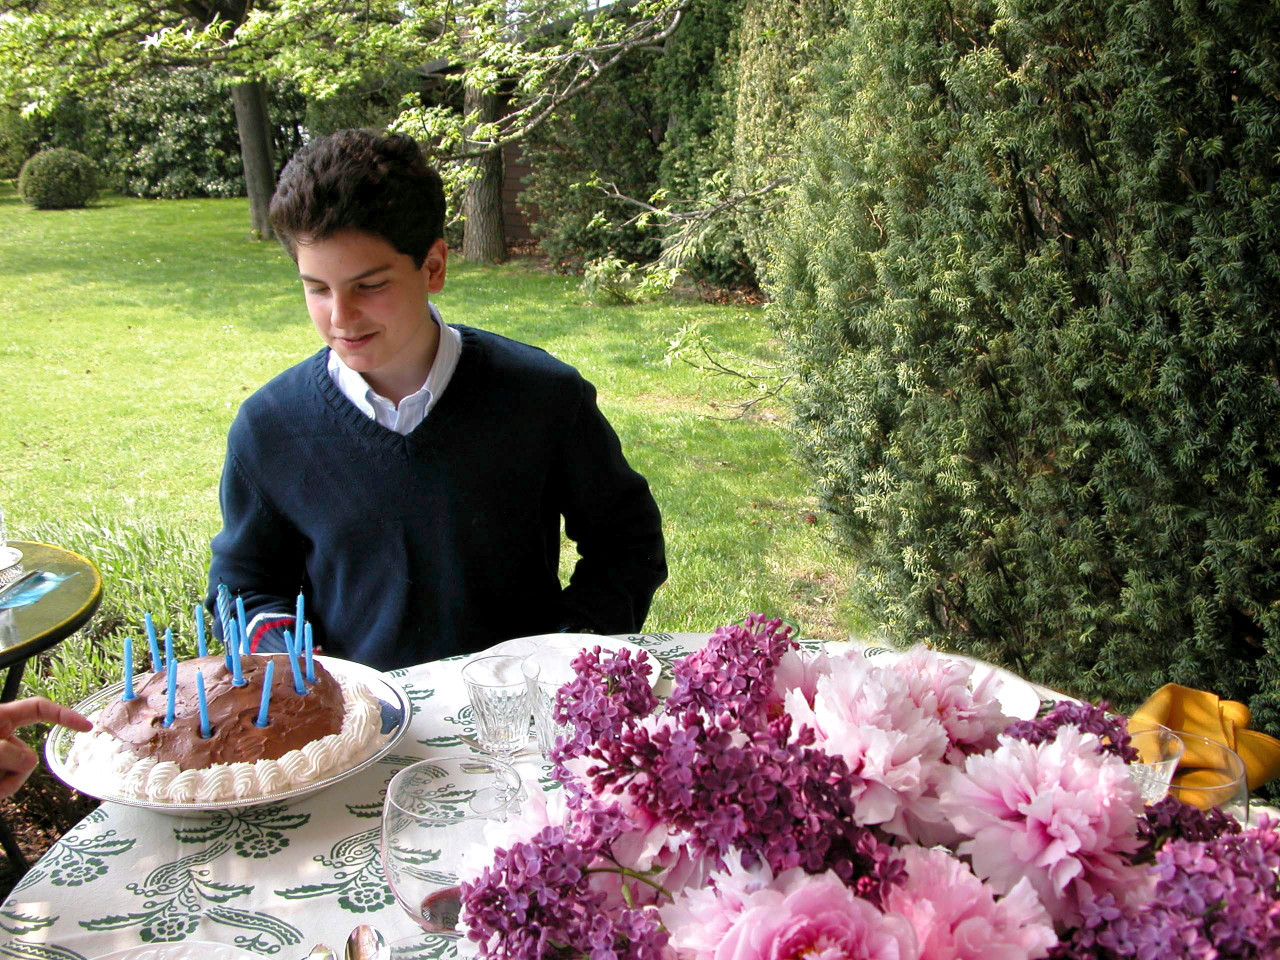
column 940, row 685
column 750, row 915
column 1058, row 814
column 957, row 917
column 895, row 747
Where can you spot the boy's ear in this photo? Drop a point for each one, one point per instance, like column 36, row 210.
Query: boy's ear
column 437, row 257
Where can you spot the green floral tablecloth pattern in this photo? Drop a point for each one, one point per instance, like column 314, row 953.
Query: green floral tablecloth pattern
column 270, row 880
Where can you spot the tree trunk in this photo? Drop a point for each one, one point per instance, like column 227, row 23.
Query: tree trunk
column 250, row 100
column 483, row 237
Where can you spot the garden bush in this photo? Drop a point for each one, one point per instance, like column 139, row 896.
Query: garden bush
column 174, row 135
column 612, row 136
column 1029, row 288
column 16, row 139
column 777, row 46
column 694, row 76
column 57, row 179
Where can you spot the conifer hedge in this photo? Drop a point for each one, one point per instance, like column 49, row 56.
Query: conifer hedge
column 1030, row 283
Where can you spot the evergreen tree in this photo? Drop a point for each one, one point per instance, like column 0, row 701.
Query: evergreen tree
column 1029, row 286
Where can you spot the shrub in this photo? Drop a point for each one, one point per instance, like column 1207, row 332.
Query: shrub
column 1029, row 290
column 610, row 136
column 16, row 139
column 694, row 75
column 174, row 134
column 614, row 281
column 58, row 178
column 777, row 47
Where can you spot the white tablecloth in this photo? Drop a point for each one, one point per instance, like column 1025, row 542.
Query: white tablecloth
column 270, row 880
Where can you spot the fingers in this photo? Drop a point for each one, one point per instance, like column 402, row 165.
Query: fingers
column 17, row 760
column 19, row 713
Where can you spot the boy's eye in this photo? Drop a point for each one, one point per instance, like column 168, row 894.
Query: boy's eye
column 373, row 286
column 316, row 291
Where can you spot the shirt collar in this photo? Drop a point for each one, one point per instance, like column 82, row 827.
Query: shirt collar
column 358, row 391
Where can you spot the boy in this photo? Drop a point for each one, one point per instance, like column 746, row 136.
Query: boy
column 410, row 477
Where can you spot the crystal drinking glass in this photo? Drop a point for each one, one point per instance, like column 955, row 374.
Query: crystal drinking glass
column 544, row 682
column 1211, row 775
column 1159, row 751
column 500, row 703
column 434, row 812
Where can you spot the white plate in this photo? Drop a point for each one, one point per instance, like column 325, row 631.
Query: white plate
column 9, row 556
column 557, row 650
column 181, row 951
column 1017, row 698
column 396, row 713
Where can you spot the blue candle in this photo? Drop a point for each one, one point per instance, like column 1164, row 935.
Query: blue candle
column 266, row 693
column 298, row 620
column 202, row 648
column 128, row 669
column 168, row 645
column 171, row 692
column 205, row 732
column 223, row 605
column 293, row 655
column 156, row 663
column 243, row 621
column 311, row 666
column 237, row 677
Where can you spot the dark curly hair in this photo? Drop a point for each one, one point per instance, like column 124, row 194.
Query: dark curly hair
column 360, row 180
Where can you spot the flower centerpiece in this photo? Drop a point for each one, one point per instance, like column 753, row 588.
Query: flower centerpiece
column 783, row 804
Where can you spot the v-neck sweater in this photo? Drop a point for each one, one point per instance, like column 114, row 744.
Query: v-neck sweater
column 445, row 540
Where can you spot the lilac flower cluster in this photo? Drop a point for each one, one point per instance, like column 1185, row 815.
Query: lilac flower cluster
column 1213, row 899
column 734, row 672
column 610, row 689
column 1111, row 729
column 1171, row 819
column 769, row 795
column 536, row 901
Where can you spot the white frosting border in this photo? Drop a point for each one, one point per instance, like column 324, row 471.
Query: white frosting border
column 100, row 754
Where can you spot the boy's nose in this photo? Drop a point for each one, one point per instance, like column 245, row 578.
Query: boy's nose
column 342, row 312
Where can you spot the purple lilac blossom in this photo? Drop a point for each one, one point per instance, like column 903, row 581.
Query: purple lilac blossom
column 1111, row 729
column 1171, row 819
column 784, row 803
column 1215, row 899
column 535, row 901
column 734, row 672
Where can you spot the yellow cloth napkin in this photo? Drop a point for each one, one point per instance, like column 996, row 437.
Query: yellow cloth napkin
column 1226, row 721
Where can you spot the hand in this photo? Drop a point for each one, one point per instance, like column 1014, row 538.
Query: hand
column 17, row 760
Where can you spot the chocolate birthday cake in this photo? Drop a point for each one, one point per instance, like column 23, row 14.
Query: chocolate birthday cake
column 309, row 736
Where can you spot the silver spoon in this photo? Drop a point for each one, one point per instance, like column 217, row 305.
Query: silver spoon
column 367, row 943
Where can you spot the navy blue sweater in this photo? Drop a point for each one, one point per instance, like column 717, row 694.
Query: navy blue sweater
column 444, row 541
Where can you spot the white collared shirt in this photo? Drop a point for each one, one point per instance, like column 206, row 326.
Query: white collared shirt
column 414, row 408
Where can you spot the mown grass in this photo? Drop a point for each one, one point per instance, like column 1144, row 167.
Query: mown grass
column 130, row 332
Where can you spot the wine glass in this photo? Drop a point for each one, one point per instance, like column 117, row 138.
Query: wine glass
column 1159, row 751
column 434, row 811
column 1211, row 775
column 500, row 703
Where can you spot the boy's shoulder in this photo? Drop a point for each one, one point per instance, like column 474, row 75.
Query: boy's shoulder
column 512, row 357
column 280, row 399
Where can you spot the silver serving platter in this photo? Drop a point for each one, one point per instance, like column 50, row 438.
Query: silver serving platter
column 396, row 713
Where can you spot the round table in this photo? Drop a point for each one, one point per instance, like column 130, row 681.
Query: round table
column 32, row 629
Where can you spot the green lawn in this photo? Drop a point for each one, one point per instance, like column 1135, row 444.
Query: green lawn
column 130, row 332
